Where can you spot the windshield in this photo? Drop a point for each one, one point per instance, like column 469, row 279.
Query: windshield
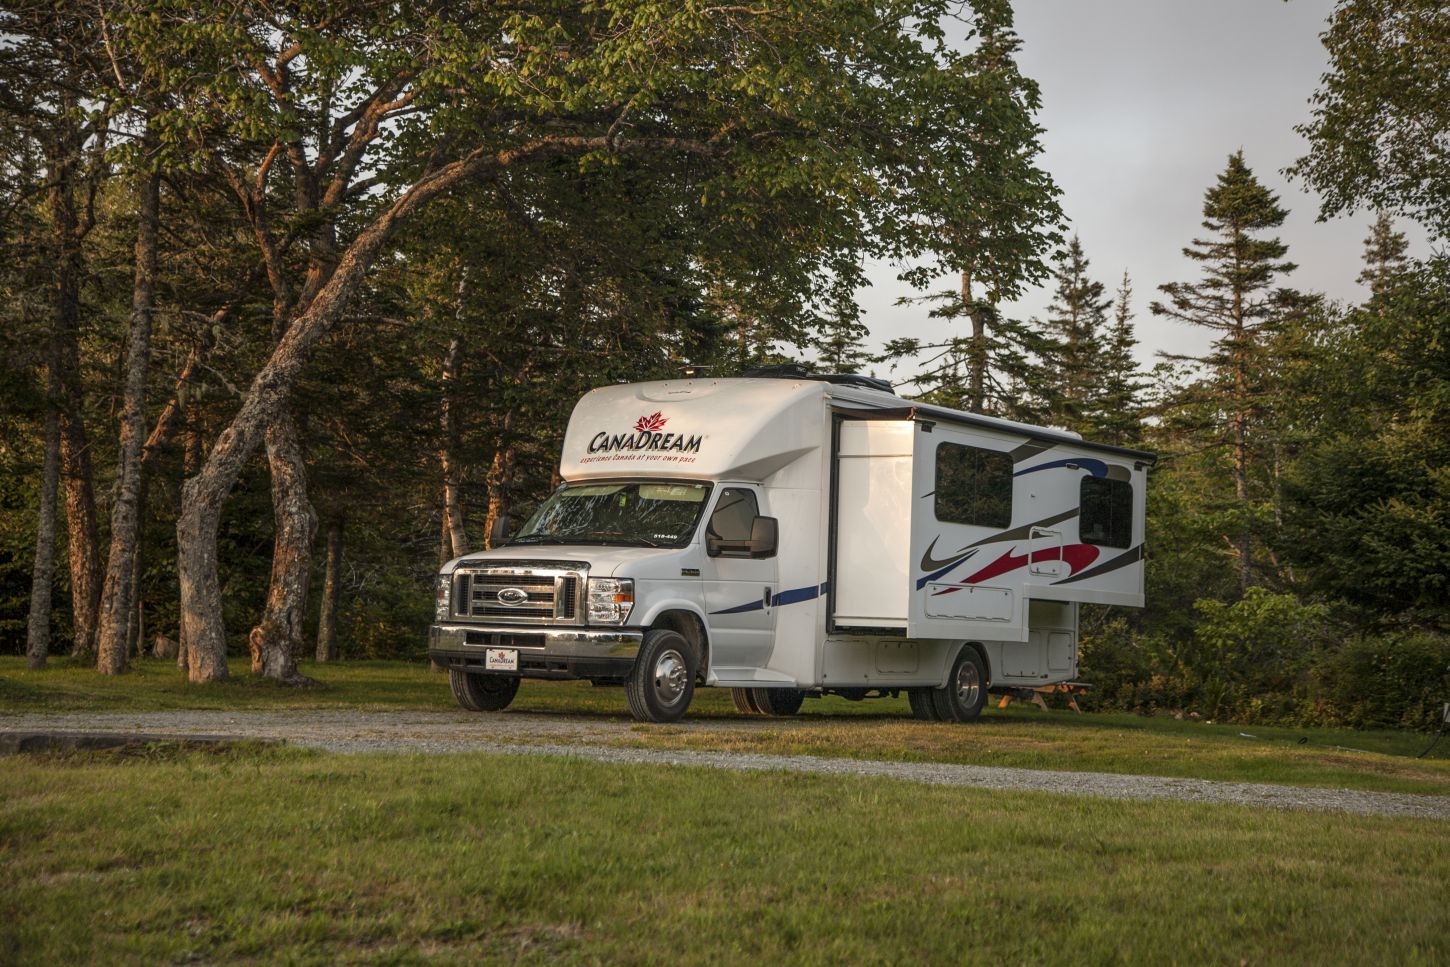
column 644, row 514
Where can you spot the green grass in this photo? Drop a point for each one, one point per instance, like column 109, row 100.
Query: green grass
column 1020, row 736
column 280, row 856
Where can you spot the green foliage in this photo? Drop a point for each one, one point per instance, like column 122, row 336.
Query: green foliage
column 1382, row 115
column 1075, row 323
column 1394, row 681
column 1367, row 507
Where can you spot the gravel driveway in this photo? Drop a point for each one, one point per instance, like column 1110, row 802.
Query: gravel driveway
column 522, row 734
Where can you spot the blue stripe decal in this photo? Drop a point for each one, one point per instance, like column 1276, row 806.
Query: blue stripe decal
column 795, row 595
column 921, row 582
column 1095, row 467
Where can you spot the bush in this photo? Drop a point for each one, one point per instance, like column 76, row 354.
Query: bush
column 1397, row 681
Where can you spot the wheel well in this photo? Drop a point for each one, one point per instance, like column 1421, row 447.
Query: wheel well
column 688, row 623
column 982, row 652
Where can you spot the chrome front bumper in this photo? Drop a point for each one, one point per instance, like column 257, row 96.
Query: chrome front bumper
column 619, row 643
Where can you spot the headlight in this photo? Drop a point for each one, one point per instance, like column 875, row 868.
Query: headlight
column 610, row 600
column 445, row 588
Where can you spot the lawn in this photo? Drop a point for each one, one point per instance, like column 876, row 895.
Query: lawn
column 1019, row 736
column 288, row 856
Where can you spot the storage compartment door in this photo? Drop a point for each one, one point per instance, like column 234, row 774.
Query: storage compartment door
column 872, row 524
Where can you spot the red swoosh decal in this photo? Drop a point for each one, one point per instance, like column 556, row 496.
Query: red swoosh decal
column 1077, row 556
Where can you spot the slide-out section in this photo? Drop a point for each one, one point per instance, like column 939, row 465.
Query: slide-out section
column 871, row 578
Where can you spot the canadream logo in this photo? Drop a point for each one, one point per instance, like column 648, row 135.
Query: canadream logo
column 647, row 435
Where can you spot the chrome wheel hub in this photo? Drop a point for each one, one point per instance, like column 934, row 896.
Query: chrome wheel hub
column 670, row 677
column 969, row 684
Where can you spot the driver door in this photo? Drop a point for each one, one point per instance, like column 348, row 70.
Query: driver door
column 739, row 589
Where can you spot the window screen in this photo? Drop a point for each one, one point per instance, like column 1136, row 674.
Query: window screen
column 1107, row 512
column 734, row 514
column 973, row 486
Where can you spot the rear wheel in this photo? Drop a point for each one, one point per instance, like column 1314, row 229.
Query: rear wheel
column 662, row 682
column 965, row 694
column 482, row 693
column 922, row 706
column 744, row 701
column 778, row 701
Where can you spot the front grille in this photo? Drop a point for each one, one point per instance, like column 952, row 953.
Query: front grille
column 518, row 592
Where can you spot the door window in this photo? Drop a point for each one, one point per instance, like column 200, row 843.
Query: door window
column 734, row 514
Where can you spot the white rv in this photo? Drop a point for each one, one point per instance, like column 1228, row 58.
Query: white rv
column 797, row 536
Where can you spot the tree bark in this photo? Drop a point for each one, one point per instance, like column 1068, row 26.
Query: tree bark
column 80, row 501
column 276, row 639
column 331, row 591
column 500, row 476
column 455, row 536
column 112, row 642
column 203, row 634
column 977, row 355
column 37, row 641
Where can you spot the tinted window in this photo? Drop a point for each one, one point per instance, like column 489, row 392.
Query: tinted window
column 1107, row 512
column 734, row 515
column 973, row 486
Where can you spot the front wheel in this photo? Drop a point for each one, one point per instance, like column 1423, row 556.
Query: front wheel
column 482, row 693
column 965, row 694
column 662, row 682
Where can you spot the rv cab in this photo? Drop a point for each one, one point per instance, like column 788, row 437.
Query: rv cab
column 788, row 538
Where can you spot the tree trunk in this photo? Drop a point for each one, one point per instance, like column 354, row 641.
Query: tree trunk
column 331, row 591
column 80, row 500
column 37, row 642
column 977, row 355
column 276, row 640
column 500, row 476
column 203, row 633
column 455, row 537
column 116, row 599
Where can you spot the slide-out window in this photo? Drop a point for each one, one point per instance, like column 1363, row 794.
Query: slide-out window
column 1107, row 512
column 973, row 486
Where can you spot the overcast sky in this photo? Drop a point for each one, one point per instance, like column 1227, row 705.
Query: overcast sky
column 1143, row 101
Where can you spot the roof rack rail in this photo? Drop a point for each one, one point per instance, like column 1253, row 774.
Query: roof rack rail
column 797, row 371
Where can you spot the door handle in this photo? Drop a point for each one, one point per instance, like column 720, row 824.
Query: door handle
column 766, row 599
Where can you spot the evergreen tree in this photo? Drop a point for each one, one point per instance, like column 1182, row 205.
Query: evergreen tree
column 1075, row 324
column 1117, row 409
column 1237, row 300
column 1384, row 255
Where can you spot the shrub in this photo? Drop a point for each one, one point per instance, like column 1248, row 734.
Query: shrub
column 1393, row 681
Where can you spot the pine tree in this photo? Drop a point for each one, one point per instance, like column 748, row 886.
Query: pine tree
column 1237, row 299
column 1075, row 324
column 1384, row 255
column 1117, row 410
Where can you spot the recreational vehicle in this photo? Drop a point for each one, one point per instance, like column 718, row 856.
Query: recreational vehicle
column 795, row 535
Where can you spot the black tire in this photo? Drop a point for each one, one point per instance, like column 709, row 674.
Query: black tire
column 922, row 707
column 965, row 694
column 662, row 682
column 744, row 702
column 482, row 693
column 778, row 701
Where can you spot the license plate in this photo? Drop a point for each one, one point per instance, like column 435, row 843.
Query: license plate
column 501, row 660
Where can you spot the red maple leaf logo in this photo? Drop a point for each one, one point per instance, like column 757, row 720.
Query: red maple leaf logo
column 648, row 424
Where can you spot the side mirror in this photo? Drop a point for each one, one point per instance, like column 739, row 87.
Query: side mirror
column 499, row 532
column 764, row 534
